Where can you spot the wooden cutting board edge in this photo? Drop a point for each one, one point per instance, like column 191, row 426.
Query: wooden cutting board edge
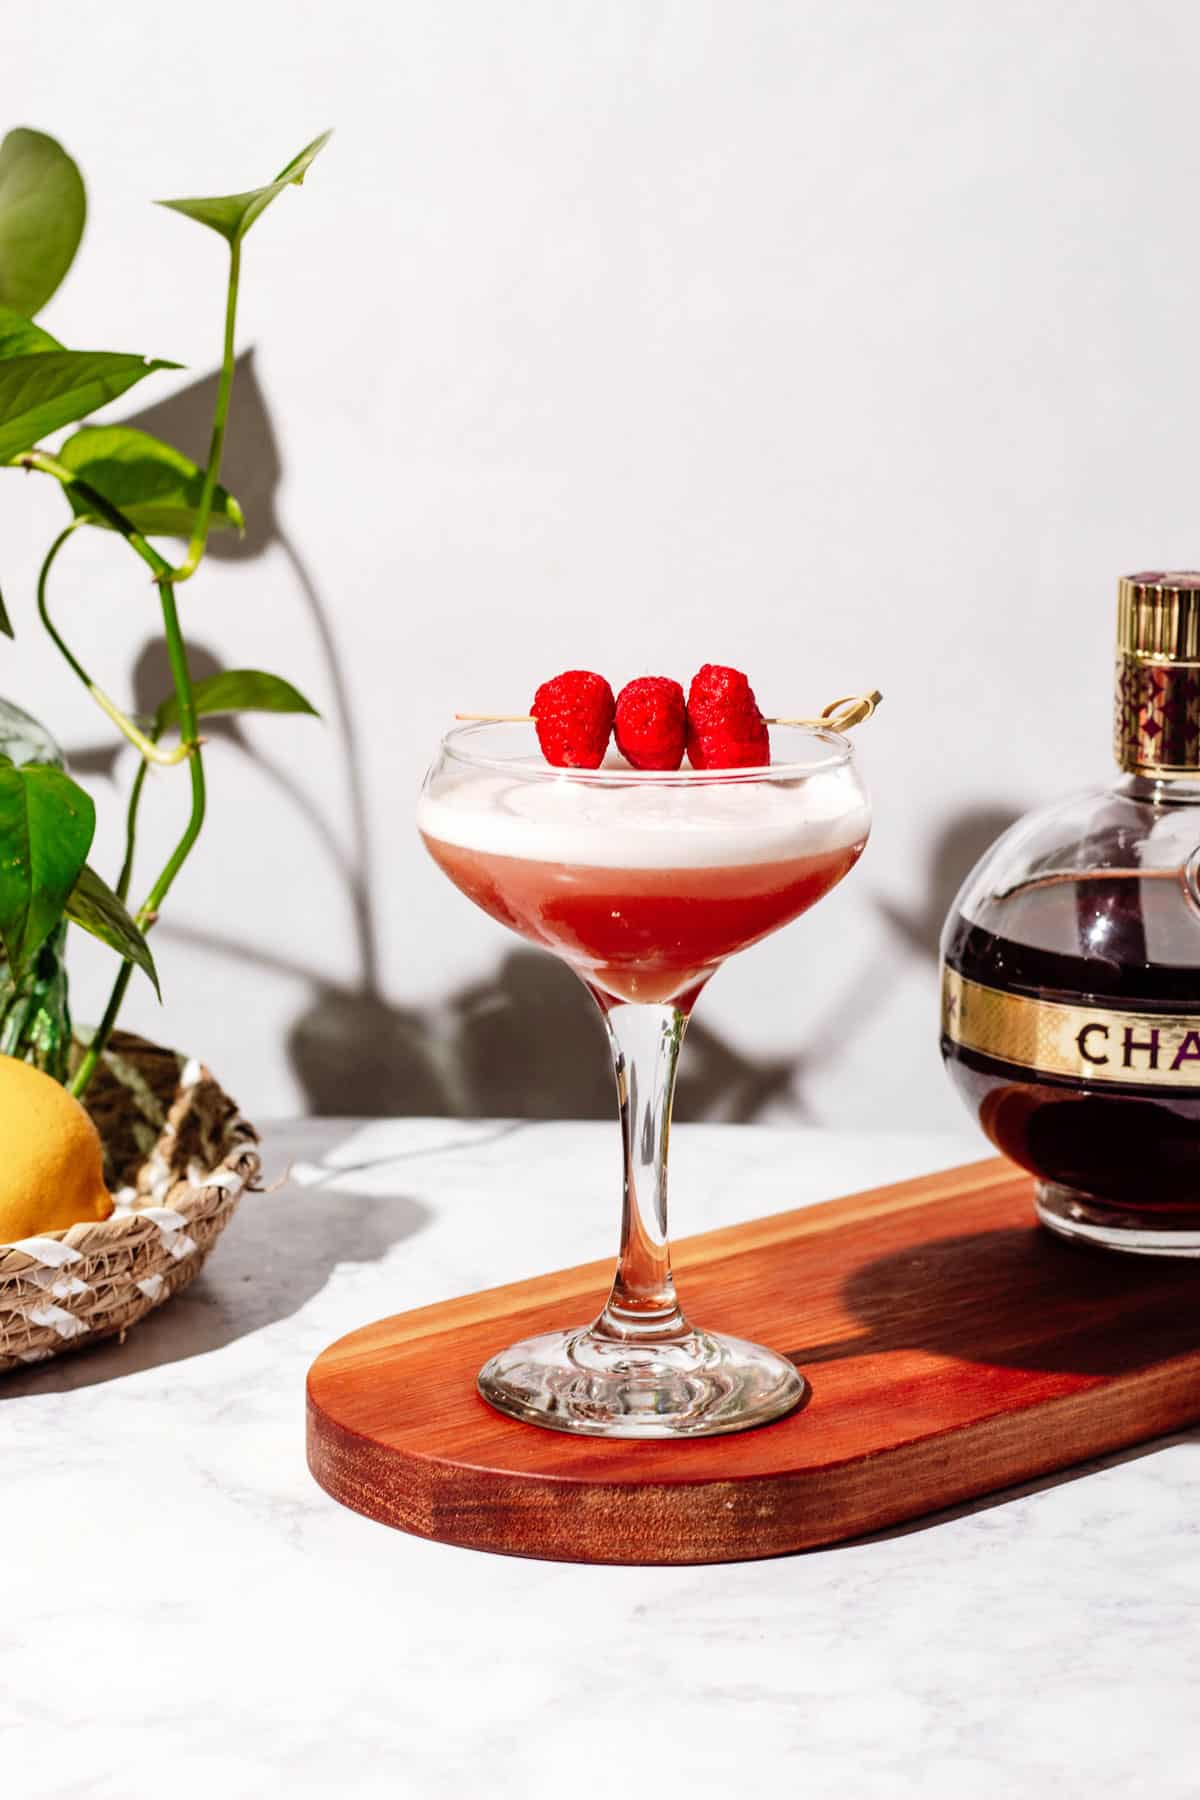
column 773, row 1516
column 580, row 1516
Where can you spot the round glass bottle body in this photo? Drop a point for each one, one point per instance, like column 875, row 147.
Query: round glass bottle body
column 1071, row 1010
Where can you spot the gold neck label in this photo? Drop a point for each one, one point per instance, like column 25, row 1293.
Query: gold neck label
column 1094, row 1044
column 1156, row 721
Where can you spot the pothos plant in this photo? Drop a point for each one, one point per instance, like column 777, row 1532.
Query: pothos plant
column 118, row 479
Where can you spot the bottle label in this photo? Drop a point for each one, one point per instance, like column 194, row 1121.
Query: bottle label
column 1094, row 1044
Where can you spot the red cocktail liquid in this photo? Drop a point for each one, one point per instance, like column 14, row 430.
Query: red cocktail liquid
column 642, row 934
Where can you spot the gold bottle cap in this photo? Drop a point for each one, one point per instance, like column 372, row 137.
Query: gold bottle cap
column 1157, row 700
column 1159, row 615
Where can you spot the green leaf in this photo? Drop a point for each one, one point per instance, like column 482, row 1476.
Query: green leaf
column 24, row 739
column 42, row 210
column 237, row 691
column 21, row 337
column 5, row 621
column 93, row 905
column 153, row 484
column 46, row 828
column 233, row 214
column 49, row 388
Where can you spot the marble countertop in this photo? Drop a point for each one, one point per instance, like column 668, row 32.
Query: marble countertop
column 186, row 1613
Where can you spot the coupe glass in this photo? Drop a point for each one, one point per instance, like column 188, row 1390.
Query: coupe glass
column 643, row 883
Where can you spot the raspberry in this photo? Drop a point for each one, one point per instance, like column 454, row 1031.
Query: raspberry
column 725, row 729
column 573, row 714
column 651, row 723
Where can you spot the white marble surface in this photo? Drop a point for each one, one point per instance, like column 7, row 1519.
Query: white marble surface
column 184, row 1612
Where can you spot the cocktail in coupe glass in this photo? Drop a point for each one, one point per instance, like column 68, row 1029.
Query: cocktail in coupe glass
column 643, row 882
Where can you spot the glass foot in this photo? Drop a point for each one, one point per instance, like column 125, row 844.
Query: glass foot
column 697, row 1385
column 1076, row 1215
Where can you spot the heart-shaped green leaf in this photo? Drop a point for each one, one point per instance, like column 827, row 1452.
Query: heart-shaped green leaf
column 46, row 828
column 153, row 484
column 237, row 691
column 233, row 214
column 21, row 337
column 93, row 905
column 49, row 388
column 42, row 210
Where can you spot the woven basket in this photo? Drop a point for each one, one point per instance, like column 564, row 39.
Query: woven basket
column 177, row 1159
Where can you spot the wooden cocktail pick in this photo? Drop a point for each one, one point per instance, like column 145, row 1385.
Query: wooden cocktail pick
column 839, row 715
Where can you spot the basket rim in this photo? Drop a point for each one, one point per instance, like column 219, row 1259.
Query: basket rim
column 234, row 1173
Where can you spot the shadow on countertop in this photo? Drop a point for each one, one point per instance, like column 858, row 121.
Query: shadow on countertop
column 278, row 1251
column 1023, row 1490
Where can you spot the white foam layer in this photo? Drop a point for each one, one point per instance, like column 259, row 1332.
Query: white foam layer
column 646, row 825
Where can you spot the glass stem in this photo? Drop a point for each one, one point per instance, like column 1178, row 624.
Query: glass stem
column 645, row 1041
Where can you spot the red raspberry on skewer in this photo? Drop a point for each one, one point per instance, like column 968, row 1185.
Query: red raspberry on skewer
column 573, row 715
column 651, row 723
column 725, row 729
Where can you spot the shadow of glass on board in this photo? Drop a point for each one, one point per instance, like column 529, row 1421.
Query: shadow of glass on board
column 1051, row 1308
column 252, row 1285
column 1019, row 1298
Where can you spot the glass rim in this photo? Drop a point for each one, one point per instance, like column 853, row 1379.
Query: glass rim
column 837, row 753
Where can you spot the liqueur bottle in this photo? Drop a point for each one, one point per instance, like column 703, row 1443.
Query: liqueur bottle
column 1071, row 962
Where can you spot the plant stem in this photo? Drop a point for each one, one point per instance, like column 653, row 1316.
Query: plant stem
column 199, row 538
column 148, row 911
column 95, row 503
column 90, row 1060
column 165, row 577
column 147, row 747
column 12, row 1036
column 131, row 823
column 181, row 674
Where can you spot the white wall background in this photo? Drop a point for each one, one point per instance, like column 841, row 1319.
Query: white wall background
column 855, row 345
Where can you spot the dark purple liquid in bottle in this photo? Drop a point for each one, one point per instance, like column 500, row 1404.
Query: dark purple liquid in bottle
column 1122, row 1144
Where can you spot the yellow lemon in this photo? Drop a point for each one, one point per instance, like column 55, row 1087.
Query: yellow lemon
column 51, row 1164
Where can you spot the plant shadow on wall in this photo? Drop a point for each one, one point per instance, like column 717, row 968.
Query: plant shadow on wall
column 355, row 1053
column 960, row 843
column 526, row 1041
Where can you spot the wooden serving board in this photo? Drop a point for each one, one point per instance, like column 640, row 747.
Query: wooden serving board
column 953, row 1346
